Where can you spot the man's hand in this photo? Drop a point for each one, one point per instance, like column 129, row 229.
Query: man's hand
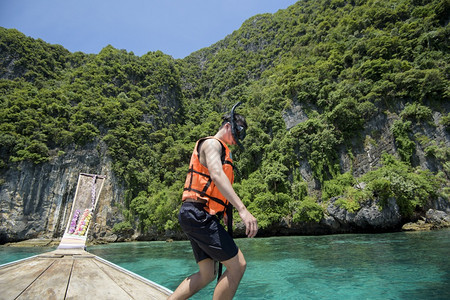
column 251, row 224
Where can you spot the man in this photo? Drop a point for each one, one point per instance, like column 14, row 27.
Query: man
column 207, row 193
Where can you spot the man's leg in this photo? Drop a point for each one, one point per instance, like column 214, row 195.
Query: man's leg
column 197, row 281
column 229, row 281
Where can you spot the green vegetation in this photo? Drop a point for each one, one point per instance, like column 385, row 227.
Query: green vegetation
column 308, row 210
column 405, row 146
column 122, row 227
column 345, row 63
column 411, row 187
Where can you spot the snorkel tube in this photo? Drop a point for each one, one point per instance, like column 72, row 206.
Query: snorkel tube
column 229, row 209
column 234, row 126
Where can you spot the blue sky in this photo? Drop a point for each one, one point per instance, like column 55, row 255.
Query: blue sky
column 176, row 27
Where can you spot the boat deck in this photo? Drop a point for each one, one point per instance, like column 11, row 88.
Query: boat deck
column 73, row 274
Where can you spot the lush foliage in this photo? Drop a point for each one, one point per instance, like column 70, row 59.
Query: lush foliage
column 410, row 187
column 344, row 64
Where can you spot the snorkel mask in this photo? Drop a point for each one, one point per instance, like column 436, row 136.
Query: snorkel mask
column 237, row 130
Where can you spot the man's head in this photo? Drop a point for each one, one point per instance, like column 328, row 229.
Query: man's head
column 237, row 123
column 239, row 119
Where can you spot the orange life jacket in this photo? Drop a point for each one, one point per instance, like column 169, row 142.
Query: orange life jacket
column 199, row 184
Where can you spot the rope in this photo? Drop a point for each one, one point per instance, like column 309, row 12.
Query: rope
column 93, row 192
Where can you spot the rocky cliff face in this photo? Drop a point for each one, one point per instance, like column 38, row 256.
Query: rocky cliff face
column 366, row 156
column 35, row 200
column 378, row 139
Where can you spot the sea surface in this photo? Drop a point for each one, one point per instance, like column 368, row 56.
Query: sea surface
column 403, row 265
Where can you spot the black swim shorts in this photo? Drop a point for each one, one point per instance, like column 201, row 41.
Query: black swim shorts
column 208, row 237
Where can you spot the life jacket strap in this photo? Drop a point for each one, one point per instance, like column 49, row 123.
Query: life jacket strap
column 210, row 197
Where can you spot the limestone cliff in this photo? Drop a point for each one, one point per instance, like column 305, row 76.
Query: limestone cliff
column 366, row 155
column 35, row 200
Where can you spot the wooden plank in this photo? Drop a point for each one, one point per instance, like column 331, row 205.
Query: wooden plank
column 135, row 287
column 88, row 281
column 67, row 252
column 14, row 279
column 65, row 274
column 52, row 284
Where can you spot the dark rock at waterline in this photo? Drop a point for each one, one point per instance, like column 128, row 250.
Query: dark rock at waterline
column 437, row 217
column 371, row 216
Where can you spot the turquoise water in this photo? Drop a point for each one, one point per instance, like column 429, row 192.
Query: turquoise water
column 404, row 265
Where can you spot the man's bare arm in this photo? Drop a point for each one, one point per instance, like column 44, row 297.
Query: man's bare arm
column 211, row 149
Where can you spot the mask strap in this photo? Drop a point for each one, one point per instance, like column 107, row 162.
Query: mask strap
column 233, row 126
